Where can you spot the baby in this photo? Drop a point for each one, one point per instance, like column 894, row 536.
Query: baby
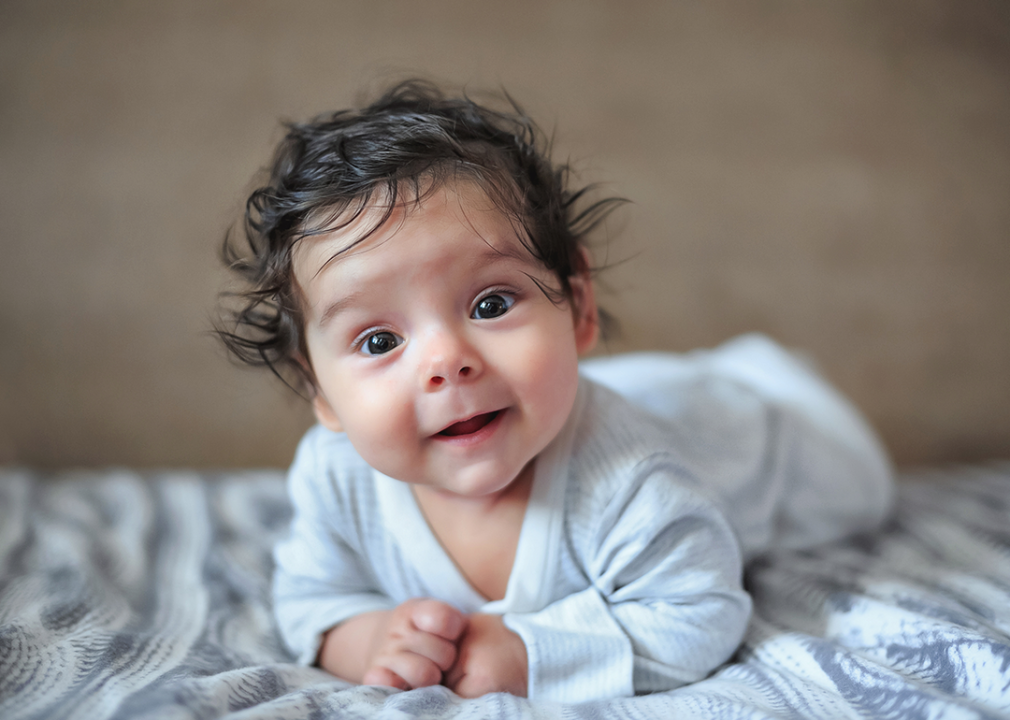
column 470, row 509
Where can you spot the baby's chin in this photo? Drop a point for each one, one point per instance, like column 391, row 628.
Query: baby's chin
column 479, row 485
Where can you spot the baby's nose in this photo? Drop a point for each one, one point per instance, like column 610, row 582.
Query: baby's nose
column 460, row 374
column 450, row 360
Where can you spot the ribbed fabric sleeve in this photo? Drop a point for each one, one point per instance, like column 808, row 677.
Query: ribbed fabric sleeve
column 322, row 577
column 664, row 605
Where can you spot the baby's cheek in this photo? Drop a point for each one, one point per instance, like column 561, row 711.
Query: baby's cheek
column 552, row 367
column 382, row 432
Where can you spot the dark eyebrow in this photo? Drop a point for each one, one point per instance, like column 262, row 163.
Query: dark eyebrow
column 490, row 254
column 336, row 307
column 510, row 251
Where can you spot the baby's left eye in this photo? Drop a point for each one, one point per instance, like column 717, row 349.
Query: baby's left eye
column 492, row 306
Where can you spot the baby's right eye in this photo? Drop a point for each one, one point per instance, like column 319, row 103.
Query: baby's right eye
column 381, row 343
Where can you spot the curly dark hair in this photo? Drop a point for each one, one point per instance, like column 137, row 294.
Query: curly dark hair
column 409, row 141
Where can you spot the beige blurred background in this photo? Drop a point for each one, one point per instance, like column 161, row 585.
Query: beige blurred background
column 834, row 174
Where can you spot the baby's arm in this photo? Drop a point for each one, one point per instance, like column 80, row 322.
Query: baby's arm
column 664, row 605
column 408, row 647
column 321, row 580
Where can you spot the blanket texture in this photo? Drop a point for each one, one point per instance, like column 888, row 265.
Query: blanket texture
column 126, row 595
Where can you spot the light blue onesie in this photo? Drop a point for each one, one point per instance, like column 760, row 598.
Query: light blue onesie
column 627, row 575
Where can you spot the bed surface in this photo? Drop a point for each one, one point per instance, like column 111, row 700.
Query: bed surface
column 126, row 595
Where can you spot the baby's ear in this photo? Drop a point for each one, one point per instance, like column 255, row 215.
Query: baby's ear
column 587, row 316
column 325, row 413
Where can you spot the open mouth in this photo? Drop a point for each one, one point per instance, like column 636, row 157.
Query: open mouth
column 468, row 427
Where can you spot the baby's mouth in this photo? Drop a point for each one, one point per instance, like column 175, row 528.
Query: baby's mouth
column 466, row 427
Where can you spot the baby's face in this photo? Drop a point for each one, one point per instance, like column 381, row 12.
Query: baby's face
column 434, row 349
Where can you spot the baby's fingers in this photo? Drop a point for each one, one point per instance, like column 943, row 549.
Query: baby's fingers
column 385, row 677
column 436, row 649
column 438, row 618
column 405, row 670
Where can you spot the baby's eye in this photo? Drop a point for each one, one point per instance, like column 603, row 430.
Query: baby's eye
column 380, row 343
column 492, row 306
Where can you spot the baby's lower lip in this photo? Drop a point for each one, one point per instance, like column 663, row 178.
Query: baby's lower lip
column 471, row 426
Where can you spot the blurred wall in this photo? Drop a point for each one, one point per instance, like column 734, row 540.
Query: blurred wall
column 834, row 174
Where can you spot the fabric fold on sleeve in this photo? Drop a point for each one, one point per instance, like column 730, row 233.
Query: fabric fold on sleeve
column 665, row 605
column 576, row 650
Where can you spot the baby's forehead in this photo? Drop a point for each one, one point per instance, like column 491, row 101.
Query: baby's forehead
column 356, row 228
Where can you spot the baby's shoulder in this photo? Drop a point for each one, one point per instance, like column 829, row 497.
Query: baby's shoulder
column 327, row 459
column 706, row 434
column 631, row 473
column 614, row 444
column 705, row 413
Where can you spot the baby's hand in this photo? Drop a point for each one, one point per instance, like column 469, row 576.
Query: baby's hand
column 491, row 658
column 414, row 644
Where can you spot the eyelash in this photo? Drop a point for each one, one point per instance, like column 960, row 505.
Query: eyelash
column 360, row 343
column 510, row 297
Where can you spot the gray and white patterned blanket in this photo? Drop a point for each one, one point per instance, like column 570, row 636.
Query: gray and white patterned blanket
column 147, row 596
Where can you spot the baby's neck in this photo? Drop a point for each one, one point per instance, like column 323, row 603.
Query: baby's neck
column 479, row 534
